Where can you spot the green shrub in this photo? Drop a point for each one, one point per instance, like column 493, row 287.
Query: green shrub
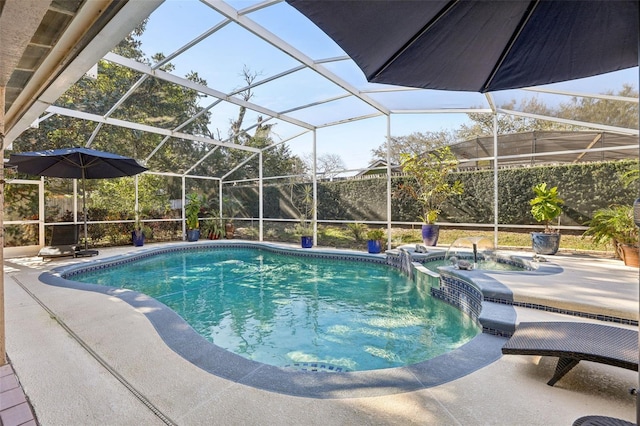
column 357, row 230
column 375, row 234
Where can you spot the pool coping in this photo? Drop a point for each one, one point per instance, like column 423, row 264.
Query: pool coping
column 180, row 337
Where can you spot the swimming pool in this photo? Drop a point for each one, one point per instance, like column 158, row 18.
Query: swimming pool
column 287, row 310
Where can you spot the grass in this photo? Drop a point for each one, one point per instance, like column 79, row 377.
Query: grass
column 342, row 237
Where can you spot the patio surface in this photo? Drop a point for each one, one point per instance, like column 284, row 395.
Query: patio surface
column 86, row 358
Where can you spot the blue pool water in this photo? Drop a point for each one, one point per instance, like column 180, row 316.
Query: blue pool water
column 284, row 310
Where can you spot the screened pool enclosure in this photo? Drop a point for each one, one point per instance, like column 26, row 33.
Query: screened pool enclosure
column 258, row 83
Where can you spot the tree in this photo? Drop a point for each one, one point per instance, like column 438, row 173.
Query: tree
column 591, row 110
column 415, row 143
column 430, row 175
column 277, row 161
column 610, row 112
column 155, row 102
column 236, row 133
column 327, row 165
column 482, row 124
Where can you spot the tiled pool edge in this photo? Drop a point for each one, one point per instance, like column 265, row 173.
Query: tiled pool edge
column 479, row 352
column 485, row 299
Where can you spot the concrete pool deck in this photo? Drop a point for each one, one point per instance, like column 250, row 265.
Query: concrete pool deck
column 90, row 358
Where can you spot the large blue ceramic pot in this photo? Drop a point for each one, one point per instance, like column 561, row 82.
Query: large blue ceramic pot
column 137, row 238
column 306, row 241
column 193, row 234
column 430, row 234
column 374, row 246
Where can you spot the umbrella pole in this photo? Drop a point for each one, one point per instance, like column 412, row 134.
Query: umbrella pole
column 84, row 210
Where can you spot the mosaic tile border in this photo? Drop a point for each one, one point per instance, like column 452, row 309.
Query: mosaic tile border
column 461, row 294
column 316, row 367
column 125, row 259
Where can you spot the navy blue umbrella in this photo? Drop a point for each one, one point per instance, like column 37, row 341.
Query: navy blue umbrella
column 480, row 45
column 76, row 163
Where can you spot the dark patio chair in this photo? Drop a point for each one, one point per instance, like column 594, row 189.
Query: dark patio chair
column 573, row 342
column 64, row 241
column 601, row 421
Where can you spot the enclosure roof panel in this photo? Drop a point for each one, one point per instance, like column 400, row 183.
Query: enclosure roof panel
column 297, row 77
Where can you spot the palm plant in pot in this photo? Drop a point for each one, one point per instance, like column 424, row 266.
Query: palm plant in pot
column 138, row 234
column 615, row 224
column 546, row 206
column 192, row 210
column 231, row 206
column 305, row 209
column 375, row 237
column 431, row 186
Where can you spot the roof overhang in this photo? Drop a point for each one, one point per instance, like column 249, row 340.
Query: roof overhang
column 46, row 46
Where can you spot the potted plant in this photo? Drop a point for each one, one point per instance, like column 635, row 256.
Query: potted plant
column 375, row 237
column 214, row 229
column 431, row 187
column 231, row 208
column 137, row 235
column 304, row 230
column 615, row 224
column 303, row 203
column 546, row 206
column 192, row 209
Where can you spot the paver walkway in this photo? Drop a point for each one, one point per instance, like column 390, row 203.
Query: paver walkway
column 15, row 410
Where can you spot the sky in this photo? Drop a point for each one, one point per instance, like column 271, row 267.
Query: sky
column 220, row 59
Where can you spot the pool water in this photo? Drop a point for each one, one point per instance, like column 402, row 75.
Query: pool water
column 283, row 310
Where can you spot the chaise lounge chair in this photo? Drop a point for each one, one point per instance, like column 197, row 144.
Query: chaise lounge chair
column 64, row 241
column 573, row 342
column 601, row 421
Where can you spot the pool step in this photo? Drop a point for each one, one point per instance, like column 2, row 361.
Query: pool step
column 498, row 319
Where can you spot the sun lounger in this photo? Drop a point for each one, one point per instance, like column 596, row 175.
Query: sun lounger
column 601, row 421
column 573, row 342
column 64, row 241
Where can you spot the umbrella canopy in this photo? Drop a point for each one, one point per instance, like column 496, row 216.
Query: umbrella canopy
column 76, row 163
column 480, row 45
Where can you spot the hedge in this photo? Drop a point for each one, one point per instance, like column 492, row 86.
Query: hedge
column 583, row 187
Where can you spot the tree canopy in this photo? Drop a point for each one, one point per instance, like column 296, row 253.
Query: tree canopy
column 162, row 104
column 596, row 110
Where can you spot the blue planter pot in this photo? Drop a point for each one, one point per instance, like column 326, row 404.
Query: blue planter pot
column 193, row 235
column 306, row 241
column 138, row 240
column 374, row 246
column 430, row 234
